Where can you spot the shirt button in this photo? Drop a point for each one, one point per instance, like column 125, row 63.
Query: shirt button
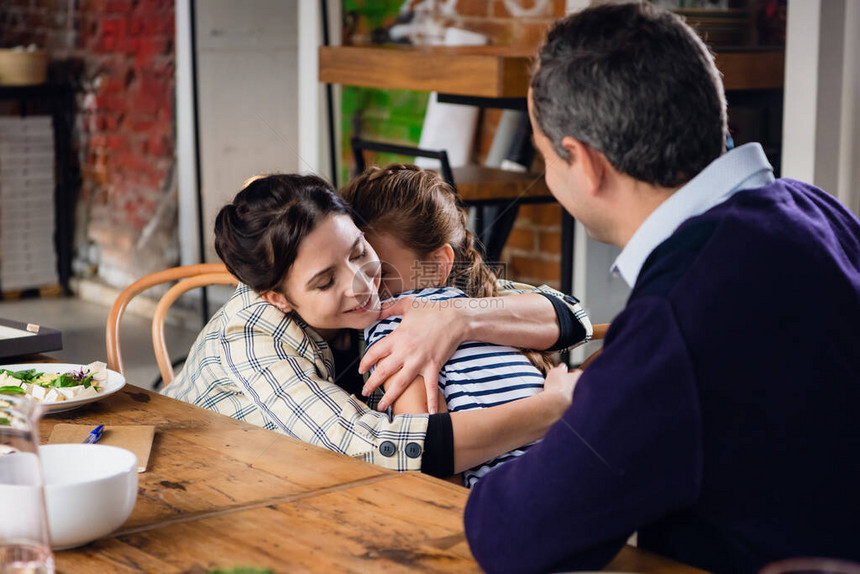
column 413, row 450
column 387, row 448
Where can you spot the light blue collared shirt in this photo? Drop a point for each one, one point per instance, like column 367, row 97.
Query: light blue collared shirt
column 745, row 167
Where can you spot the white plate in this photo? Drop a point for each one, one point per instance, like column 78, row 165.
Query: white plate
column 115, row 382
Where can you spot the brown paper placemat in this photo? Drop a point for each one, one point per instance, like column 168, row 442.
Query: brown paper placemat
column 136, row 438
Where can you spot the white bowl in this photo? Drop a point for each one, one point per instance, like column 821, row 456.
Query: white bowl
column 90, row 490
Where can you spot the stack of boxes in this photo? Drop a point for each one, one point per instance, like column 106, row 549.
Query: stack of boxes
column 28, row 256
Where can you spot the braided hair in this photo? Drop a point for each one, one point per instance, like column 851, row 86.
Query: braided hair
column 421, row 210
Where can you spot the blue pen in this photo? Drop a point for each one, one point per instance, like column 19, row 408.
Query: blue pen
column 95, row 435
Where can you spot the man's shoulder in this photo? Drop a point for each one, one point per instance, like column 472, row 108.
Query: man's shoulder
column 670, row 261
column 756, row 228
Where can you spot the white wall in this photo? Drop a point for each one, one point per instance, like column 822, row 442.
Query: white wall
column 185, row 168
column 261, row 108
column 821, row 122
column 247, row 96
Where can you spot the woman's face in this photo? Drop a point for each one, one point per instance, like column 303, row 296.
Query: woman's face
column 334, row 281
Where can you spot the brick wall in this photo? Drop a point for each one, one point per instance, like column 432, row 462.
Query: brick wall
column 119, row 55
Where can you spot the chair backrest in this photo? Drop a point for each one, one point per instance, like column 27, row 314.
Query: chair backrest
column 598, row 333
column 359, row 145
column 189, row 277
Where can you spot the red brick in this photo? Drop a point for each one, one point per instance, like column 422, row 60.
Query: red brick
column 141, row 124
column 146, row 104
column 525, row 216
column 157, row 146
column 98, row 141
column 111, row 103
column 107, row 44
column 550, row 242
column 158, row 26
column 109, row 122
column 136, row 26
column 112, row 86
column 131, row 45
column 531, row 268
column 150, row 48
column 116, row 143
column 522, row 239
column 113, row 26
column 118, row 6
column 547, row 214
column 131, row 162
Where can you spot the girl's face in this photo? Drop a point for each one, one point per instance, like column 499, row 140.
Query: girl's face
column 402, row 268
column 334, row 281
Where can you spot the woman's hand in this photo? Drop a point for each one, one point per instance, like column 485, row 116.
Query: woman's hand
column 423, row 342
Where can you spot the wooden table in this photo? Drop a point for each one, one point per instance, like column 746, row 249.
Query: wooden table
column 219, row 492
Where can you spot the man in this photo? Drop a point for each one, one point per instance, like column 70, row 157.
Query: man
column 722, row 420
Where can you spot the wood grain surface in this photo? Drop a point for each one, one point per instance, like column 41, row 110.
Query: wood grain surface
column 220, row 493
column 497, row 71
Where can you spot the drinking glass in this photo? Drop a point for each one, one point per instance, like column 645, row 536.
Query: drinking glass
column 25, row 545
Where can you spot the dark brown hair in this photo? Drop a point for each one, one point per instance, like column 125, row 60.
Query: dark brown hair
column 421, row 210
column 259, row 233
column 636, row 83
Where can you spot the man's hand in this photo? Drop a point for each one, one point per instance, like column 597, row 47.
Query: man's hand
column 561, row 381
column 424, row 341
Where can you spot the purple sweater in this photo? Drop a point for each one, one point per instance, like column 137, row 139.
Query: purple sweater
column 722, row 420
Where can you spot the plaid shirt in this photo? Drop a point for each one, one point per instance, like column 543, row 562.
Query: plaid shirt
column 256, row 364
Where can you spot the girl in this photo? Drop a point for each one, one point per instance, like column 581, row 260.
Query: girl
column 412, row 219
column 308, row 274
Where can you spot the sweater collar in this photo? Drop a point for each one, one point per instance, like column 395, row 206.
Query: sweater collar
column 745, row 167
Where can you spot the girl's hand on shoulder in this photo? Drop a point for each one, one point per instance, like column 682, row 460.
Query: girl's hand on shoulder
column 423, row 342
column 560, row 384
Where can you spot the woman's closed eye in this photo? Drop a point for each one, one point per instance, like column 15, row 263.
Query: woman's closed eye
column 328, row 283
column 362, row 253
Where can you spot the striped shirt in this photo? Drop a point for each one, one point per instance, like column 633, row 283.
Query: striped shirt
column 478, row 375
column 254, row 363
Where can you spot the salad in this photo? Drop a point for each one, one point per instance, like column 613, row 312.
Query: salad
column 87, row 381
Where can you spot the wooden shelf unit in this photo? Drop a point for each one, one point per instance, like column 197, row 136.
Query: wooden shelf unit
column 498, row 71
column 477, row 184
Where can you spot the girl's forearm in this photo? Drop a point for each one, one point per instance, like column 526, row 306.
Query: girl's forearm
column 483, row 434
column 527, row 320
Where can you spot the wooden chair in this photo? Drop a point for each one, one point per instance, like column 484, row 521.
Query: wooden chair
column 598, row 333
column 189, row 277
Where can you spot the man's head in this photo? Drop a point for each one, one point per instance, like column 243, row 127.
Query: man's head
column 636, row 84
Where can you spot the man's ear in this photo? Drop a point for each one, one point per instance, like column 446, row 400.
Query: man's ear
column 443, row 257
column 278, row 300
column 590, row 164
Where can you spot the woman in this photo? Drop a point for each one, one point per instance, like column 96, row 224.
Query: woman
column 307, row 274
